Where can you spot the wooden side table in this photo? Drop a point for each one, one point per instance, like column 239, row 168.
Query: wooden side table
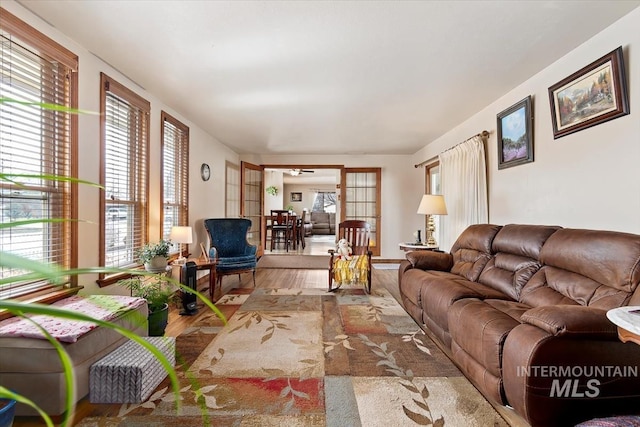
column 211, row 266
column 205, row 265
column 408, row 247
column 628, row 323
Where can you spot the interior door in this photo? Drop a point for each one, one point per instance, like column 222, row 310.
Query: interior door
column 360, row 197
column 251, row 190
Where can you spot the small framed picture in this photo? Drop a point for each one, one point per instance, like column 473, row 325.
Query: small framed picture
column 590, row 96
column 296, row 197
column 515, row 135
column 204, row 255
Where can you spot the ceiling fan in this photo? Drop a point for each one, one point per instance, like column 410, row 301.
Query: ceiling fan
column 296, row 172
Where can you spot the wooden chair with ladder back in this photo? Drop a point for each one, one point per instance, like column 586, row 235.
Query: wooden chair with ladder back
column 356, row 268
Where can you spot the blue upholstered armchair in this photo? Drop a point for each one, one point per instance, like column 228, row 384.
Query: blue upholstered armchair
column 230, row 248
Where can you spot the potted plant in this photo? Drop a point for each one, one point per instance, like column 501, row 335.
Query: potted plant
column 155, row 256
column 272, row 189
column 7, row 412
column 158, row 294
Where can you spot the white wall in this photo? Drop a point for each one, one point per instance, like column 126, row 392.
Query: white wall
column 273, row 202
column 589, row 179
column 206, row 199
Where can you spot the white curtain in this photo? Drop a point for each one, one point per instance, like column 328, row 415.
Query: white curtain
column 464, row 186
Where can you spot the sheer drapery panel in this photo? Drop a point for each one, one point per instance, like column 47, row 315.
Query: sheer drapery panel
column 464, row 187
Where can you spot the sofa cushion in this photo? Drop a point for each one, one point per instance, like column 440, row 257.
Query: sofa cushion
column 412, row 282
column 516, row 248
column 472, row 250
column 480, row 328
column 32, row 366
column 440, row 291
column 592, row 268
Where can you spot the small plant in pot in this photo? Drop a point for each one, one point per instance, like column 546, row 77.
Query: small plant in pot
column 158, row 294
column 154, row 256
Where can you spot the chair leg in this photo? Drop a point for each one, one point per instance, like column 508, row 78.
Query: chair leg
column 254, row 278
column 331, row 273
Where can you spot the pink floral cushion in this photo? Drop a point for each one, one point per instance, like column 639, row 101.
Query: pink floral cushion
column 100, row 307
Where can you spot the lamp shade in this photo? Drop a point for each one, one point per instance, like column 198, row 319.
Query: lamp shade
column 432, row 204
column 181, row 234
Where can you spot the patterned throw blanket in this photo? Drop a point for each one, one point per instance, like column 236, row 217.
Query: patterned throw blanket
column 100, row 307
column 351, row 272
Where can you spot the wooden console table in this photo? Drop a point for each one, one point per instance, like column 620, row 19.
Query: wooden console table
column 628, row 323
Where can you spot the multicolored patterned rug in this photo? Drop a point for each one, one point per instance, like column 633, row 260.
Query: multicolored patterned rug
column 303, row 357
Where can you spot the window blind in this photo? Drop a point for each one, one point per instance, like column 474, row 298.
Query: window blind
column 38, row 142
column 125, row 146
column 175, row 175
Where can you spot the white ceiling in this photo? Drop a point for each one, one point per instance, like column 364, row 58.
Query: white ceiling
column 329, row 77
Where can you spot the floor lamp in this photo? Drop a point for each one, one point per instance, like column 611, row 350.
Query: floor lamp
column 431, row 205
column 180, row 235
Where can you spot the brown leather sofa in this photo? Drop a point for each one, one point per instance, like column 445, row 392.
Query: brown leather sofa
column 521, row 309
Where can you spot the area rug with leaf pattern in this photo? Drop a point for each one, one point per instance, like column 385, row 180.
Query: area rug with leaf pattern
column 304, row 357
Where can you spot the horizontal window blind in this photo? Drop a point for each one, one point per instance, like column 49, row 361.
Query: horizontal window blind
column 39, row 142
column 125, row 146
column 175, row 175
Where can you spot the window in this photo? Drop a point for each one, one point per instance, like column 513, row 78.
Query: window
column 175, row 176
column 325, row 201
column 432, row 186
column 232, row 190
column 124, row 147
column 36, row 141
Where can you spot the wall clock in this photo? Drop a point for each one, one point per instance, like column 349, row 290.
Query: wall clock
column 205, row 172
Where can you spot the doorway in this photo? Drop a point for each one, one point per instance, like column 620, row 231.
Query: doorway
column 304, row 189
column 347, row 193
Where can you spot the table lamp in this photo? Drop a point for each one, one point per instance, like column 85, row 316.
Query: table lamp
column 431, row 205
column 181, row 234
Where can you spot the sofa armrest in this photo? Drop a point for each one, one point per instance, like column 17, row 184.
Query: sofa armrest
column 429, row 260
column 572, row 321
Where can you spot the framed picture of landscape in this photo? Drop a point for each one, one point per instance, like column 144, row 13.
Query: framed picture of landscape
column 592, row 95
column 515, row 135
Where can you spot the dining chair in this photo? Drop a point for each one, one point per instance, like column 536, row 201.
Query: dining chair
column 281, row 227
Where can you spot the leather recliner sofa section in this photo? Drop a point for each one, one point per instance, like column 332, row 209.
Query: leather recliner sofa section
column 521, row 309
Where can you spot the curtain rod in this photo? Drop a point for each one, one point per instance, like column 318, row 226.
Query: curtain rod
column 484, row 134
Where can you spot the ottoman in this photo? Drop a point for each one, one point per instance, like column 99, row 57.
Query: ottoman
column 130, row 373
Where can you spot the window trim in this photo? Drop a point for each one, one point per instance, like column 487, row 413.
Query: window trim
column 184, row 214
column 108, row 84
column 39, row 42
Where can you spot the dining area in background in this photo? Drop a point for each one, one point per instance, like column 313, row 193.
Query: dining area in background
column 284, row 229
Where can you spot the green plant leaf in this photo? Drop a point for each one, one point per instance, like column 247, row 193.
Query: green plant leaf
column 47, row 106
column 69, row 375
column 11, row 177
column 6, row 393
